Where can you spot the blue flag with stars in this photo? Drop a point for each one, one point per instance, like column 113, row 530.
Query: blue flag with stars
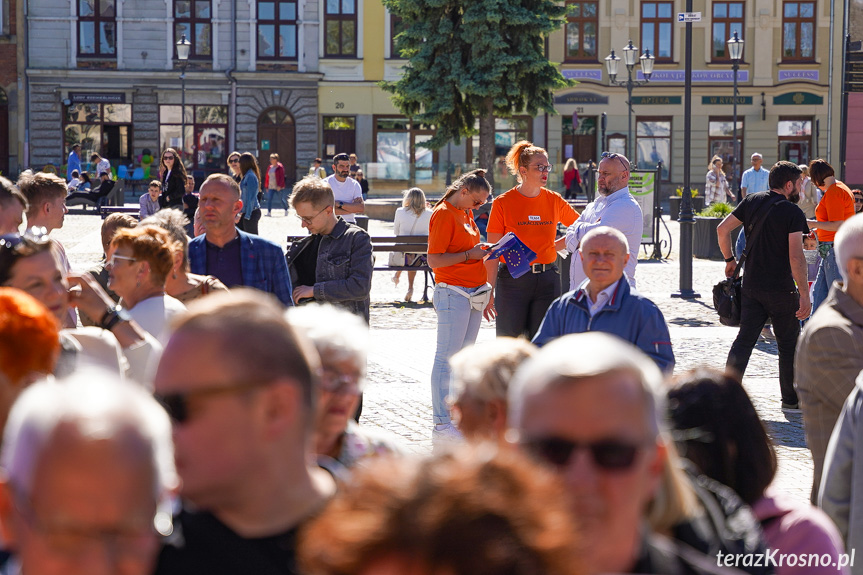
column 515, row 253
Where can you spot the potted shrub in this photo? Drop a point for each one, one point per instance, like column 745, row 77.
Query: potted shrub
column 674, row 202
column 705, row 244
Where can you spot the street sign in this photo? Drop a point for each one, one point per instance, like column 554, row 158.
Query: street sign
column 689, row 16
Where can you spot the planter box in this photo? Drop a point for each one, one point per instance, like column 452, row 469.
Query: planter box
column 674, row 205
column 705, row 244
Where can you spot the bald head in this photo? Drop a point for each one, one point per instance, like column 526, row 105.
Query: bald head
column 612, row 235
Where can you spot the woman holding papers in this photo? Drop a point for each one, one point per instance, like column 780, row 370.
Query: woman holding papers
column 456, row 254
column 532, row 213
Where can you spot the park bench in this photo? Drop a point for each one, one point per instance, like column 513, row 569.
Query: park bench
column 403, row 245
column 105, row 211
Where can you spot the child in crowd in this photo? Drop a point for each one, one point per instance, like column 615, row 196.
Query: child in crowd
column 813, row 259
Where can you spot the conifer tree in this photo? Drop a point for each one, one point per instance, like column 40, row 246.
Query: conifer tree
column 470, row 59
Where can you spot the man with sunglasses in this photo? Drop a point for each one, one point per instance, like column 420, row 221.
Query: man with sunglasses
column 616, row 208
column 233, row 256
column 595, row 418
column 605, row 302
column 237, row 382
column 334, row 264
column 87, row 474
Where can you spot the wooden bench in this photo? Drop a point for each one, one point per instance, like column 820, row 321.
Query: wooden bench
column 403, row 245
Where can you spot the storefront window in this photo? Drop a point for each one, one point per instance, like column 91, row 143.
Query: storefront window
column 202, row 147
column 105, row 129
column 653, row 144
column 795, row 139
column 395, row 140
column 720, row 138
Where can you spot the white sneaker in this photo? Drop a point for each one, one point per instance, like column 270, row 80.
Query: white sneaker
column 446, row 435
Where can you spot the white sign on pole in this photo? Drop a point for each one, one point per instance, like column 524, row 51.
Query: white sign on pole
column 689, row 16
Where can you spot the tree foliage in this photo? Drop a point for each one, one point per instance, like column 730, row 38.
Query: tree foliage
column 471, row 59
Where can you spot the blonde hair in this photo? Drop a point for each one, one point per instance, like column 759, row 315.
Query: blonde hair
column 473, row 181
column 484, row 370
column 519, row 156
column 39, row 188
column 313, row 190
column 414, row 200
column 713, row 161
column 570, row 165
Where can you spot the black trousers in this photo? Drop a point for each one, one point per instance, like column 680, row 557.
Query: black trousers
column 521, row 303
column 780, row 307
column 250, row 226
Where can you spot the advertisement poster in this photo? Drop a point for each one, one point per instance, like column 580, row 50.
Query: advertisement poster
column 641, row 186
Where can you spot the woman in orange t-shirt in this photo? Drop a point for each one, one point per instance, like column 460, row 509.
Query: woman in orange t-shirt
column 836, row 206
column 456, row 254
column 532, row 213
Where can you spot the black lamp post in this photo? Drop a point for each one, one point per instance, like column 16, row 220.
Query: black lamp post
column 630, row 55
column 735, row 51
column 183, row 46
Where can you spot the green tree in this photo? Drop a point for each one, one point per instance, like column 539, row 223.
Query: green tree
column 472, row 59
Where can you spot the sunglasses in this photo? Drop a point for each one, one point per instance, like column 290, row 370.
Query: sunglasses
column 168, row 158
column 619, row 157
column 112, row 262
column 177, row 404
column 234, row 161
column 547, row 169
column 335, row 382
column 608, row 454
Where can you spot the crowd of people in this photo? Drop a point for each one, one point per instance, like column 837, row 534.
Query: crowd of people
column 193, row 403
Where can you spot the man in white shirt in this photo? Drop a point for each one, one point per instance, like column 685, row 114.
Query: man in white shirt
column 754, row 179
column 616, row 208
column 346, row 190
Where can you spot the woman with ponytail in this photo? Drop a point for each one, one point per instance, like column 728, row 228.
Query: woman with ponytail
column 532, row 213
column 456, row 254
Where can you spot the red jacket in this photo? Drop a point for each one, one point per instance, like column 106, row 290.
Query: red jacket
column 280, row 177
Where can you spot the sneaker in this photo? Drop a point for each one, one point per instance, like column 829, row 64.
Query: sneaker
column 767, row 333
column 790, row 407
column 446, row 432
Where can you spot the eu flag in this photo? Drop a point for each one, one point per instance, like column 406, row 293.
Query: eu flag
column 516, row 255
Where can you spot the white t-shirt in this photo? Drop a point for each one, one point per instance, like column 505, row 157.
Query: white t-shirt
column 154, row 315
column 103, row 166
column 345, row 192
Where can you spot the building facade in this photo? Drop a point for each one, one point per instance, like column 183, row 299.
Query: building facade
column 300, row 78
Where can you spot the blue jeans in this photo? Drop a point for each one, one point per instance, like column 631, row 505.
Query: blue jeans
column 828, row 272
column 457, row 328
column 282, row 200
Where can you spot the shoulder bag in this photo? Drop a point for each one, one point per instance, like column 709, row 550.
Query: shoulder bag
column 399, row 259
column 727, row 294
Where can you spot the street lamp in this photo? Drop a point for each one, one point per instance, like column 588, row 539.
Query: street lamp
column 183, row 46
column 735, row 51
column 630, row 55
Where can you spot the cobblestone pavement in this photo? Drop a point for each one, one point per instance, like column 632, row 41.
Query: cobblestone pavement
column 398, row 396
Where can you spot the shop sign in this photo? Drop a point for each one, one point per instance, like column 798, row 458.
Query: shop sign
column 656, row 100
column 798, row 99
column 581, row 98
column 97, row 97
column 725, row 100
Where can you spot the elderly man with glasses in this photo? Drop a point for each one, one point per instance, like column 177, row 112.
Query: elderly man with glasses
column 615, row 208
column 334, row 263
column 233, row 256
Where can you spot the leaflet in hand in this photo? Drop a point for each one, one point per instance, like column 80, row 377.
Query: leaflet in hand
column 515, row 253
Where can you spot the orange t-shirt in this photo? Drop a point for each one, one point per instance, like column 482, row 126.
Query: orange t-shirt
column 451, row 231
column 533, row 220
column 837, row 204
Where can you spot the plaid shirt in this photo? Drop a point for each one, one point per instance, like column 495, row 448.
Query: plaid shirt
column 262, row 261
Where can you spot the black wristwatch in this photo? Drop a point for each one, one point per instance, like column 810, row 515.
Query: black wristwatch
column 341, row 204
column 113, row 316
column 729, row 260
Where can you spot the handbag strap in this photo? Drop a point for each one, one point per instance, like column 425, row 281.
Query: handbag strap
column 756, row 229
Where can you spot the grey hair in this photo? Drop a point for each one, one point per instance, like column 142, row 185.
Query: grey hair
column 336, row 333
column 100, row 407
column 174, row 222
column 483, row 371
column 579, row 356
column 608, row 232
column 848, row 243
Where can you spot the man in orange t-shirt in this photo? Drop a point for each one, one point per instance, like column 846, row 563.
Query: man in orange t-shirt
column 836, row 206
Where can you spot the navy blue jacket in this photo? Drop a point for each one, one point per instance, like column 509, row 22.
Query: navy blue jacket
column 628, row 315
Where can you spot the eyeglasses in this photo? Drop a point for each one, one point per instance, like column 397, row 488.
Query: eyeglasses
column 612, row 155
column 168, row 158
column 113, row 263
column 334, row 382
column 133, row 541
column 177, row 404
column 858, row 200
column 234, row 161
column 308, row 221
column 547, row 169
column 609, row 454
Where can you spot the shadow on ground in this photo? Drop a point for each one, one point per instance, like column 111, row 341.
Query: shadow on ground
column 787, row 433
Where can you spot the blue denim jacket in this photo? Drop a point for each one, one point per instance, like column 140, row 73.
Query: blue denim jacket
column 249, row 194
column 343, row 275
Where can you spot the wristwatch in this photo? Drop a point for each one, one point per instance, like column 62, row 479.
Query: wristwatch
column 113, row 316
column 341, row 204
column 729, row 260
